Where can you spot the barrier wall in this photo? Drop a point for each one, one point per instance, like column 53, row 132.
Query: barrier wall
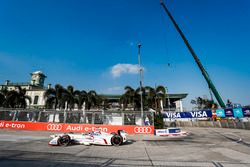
column 61, row 127
column 215, row 124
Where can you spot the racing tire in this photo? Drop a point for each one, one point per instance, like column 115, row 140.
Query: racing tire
column 64, row 140
column 116, row 140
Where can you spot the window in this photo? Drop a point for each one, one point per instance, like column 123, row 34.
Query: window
column 36, row 100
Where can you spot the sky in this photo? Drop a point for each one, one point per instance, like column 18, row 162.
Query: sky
column 93, row 45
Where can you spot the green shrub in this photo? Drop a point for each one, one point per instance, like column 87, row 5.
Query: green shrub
column 158, row 121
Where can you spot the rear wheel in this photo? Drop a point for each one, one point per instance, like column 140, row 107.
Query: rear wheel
column 64, row 140
column 116, row 140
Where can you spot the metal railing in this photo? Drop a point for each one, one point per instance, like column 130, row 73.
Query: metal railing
column 107, row 117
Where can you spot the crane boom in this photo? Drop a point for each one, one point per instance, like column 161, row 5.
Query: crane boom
column 203, row 71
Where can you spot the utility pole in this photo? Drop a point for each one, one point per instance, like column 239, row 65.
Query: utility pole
column 168, row 100
column 140, row 69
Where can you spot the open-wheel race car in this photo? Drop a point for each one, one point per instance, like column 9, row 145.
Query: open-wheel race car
column 172, row 132
column 91, row 138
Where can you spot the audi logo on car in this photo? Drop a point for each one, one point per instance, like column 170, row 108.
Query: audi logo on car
column 142, row 130
column 54, row 127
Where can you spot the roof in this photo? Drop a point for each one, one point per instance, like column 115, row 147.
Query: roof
column 39, row 72
column 171, row 96
column 178, row 96
column 111, row 96
column 24, row 84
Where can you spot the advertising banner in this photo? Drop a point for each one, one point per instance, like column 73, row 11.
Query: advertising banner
column 191, row 114
column 229, row 112
column 220, row 113
column 246, row 112
column 238, row 113
column 60, row 127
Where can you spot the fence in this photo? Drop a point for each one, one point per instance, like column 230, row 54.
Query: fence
column 234, row 124
column 106, row 117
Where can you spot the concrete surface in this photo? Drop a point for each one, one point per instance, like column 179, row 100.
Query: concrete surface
column 204, row 147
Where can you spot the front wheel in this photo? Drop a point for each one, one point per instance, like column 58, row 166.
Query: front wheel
column 64, row 140
column 116, row 140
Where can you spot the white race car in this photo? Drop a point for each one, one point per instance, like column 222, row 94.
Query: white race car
column 96, row 138
column 171, row 132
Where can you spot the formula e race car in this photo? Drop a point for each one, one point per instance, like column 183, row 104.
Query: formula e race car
column 92, row 138
column 171, row 132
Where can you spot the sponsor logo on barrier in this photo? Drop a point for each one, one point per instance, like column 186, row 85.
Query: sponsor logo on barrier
column 161, row 131
column 54, row 127
column 192, row 114
column 1, row 124
column 15, row 125
column 142, row 130
column 199, row 114
column 173, row 115
column 57, row 127
column 74, row 128
column 104, row 129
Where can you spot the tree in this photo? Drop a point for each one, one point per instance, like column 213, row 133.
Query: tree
column 91, row 99
column 3, row 94
column 158, row 120
column 70, row 97
column 17, row 98
column 128, row 97
column 203, row 103
column 2, row 99
column 83, row 96
column 160, row 96
column 53, row 97
column 152, row 98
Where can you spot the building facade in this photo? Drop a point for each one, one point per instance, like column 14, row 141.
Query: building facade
column 34, row 89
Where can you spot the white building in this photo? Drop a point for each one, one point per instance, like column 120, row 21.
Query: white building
column 35, row 88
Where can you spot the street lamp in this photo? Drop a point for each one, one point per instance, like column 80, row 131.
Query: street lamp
column 140, row 68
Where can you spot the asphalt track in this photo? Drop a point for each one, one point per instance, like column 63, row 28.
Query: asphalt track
column 204, row 147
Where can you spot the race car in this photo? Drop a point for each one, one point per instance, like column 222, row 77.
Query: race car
column 171, row 132
column 97, row 137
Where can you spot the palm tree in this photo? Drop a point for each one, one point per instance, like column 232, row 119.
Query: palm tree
column 91, row 99
column 128, row 97
column 123, row 101
column 160, row 96
column 3, row 94
column 132, row 97
column 83, row 96
column 137, row 98
column 2, row 100
column 203, row 103
column 17, row 98
column 70, row 97
column 150, row 97
column 101, row 102
column 53, row 97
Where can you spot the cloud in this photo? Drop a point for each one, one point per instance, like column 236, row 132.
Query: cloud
column 119, row 69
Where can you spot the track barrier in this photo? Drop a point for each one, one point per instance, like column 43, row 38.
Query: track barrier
column 61, row 127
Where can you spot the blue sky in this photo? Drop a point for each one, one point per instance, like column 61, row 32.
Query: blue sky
column 93, row 44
